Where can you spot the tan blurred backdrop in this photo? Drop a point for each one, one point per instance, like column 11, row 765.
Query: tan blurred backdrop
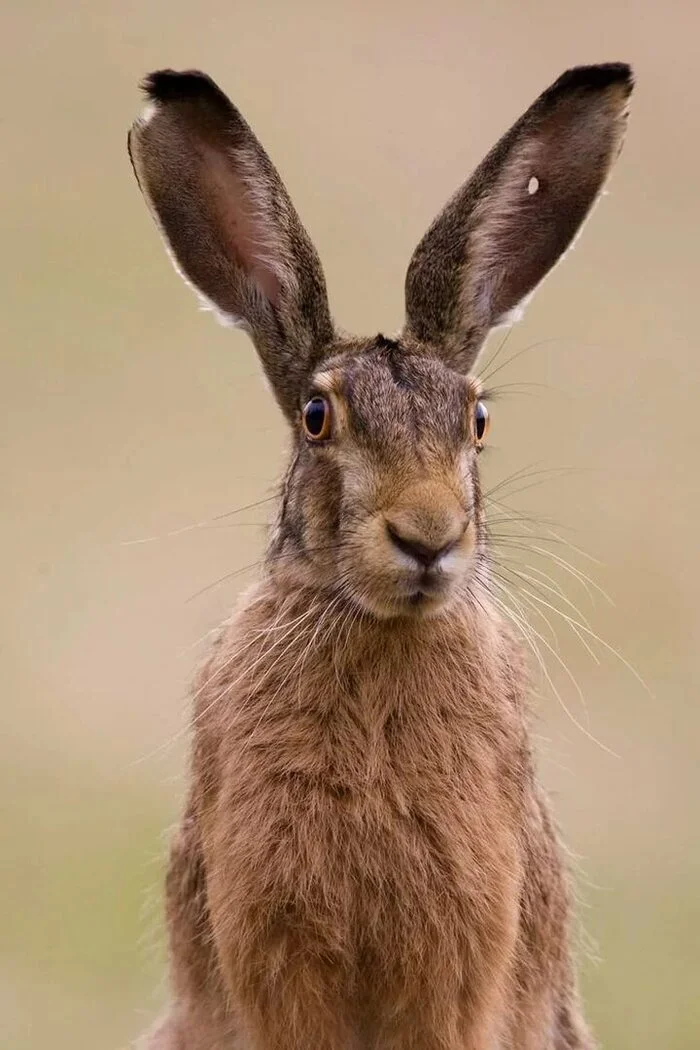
column 127, row 415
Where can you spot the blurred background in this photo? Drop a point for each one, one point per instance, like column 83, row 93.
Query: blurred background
column 131, row 423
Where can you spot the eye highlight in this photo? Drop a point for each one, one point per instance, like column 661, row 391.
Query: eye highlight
column 482, row 423
column 316, row 419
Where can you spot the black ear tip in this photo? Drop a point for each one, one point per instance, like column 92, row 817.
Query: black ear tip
column 596, row 78
column 167, row 85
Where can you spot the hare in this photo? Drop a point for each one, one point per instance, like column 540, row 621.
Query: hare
column 366, row 860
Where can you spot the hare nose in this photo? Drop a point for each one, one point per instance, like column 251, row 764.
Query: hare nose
column 426, row 555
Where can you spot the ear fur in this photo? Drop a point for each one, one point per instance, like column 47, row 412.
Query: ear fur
column 229, row 225
column 507, row 226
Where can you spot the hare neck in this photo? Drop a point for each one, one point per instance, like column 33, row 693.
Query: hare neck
column 323, row 646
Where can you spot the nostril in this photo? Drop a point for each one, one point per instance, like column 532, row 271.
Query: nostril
column 420, row 552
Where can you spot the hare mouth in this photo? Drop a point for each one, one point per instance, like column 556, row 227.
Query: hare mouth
column 430, row 591
column 426, row 603
column 426, row 595
column 429, row 587
column 417, row 599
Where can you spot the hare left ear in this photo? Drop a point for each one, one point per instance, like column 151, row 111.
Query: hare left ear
column 502, row 232
column 230, row 227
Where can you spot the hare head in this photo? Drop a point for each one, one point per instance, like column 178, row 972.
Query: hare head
column 381, row 502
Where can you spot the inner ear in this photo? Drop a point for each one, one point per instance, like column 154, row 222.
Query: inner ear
column 536, row 207
column 249, row 239
column 503, row 231
column 230, row 226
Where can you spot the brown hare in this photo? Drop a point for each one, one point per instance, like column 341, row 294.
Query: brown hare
column 366, row 861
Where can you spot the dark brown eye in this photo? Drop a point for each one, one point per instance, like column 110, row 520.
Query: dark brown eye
column 316, row 418
column 481, row 422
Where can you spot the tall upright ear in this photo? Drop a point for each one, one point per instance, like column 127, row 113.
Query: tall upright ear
column 229, row 225
column 502, row 232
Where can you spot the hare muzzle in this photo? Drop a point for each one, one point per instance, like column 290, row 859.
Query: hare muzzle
column 414, row 555
column 428, row 539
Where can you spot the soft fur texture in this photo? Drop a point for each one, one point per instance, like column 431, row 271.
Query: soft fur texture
column 366, row 861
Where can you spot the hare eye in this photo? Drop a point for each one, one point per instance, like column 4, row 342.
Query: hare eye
column 316, row 419
column 481, row 422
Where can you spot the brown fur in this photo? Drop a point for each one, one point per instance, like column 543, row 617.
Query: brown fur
column 366, row 861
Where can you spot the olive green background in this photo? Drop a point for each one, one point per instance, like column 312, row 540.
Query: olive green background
column 128, row 415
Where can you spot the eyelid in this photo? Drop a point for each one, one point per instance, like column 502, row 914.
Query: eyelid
column 326, row 384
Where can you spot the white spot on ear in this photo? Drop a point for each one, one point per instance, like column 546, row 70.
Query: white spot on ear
column 533, row 185
column 148, row 113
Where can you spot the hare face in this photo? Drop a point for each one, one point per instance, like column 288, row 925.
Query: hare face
column 382, row 502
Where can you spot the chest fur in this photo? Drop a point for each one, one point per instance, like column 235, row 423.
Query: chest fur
column 368, row 808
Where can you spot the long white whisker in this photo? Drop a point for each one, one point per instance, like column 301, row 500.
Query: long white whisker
column 206, row 522
column 237, row 654
column 556, row 591
column 300, row 661
column 525, row 630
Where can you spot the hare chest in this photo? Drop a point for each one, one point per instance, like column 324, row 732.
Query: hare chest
column 371, row 858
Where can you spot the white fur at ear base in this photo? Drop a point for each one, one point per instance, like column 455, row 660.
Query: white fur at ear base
column 206, row 304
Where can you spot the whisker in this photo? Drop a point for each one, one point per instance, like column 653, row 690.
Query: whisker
column 289, row 630
column 522, row 389
column 525, row 630
column 530, row 597
column 551, row 584
column 606, row 645
column 223, row 579
column 240, row 651
column 543, row 474
column 525, row 350
column 295, row 554
column 504, row 340
column 518, row 602
column 325, row 612
column 197, row 524
column 581, row 577
column 515, row 512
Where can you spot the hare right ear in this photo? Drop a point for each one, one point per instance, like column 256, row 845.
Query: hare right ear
column 508, row 225
column 230, row 227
